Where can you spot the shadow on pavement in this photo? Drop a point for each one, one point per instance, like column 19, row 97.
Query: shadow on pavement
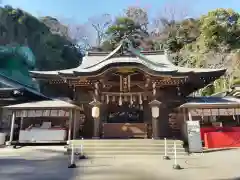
column 38, row 169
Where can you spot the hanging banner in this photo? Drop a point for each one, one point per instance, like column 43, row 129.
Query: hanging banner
column 196, row 112
column 214, row 112
column 38, row 113
column 61, row 113
column 42, row 113
column 46, row 113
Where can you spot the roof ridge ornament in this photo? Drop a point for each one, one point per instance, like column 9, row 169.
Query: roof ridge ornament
column 138, row 53
column 124, row 45
column 127, row 44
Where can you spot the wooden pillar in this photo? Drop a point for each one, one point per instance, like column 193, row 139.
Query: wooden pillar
column 146, row 112
column 96, row 130
column 103, row 119
column 189, row 116
column 12, row 127
column 147, row 119
column 21, row 123
column 74, row 124
column 155, row 121
column 237, row 116
column 164, row 127
column 184, row 114
column 96, row 110
column 70, row 125
column 155, row 128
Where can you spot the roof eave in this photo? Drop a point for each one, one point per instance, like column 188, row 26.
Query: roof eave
column 41, row 75
column 210, row 105
column 137, row 66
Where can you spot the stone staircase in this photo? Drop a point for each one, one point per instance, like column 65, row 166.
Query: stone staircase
column 122, row 147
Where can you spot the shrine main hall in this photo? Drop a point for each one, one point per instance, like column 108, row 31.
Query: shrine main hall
column 127, row 93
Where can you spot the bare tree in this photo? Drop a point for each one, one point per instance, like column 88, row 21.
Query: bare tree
column 138, row 15
column 166, row 20
column 100, row 25
column 78, row 34
column 174, row 12
column 81, row 35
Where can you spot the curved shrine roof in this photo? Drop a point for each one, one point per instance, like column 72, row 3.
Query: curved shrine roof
column 157, row 62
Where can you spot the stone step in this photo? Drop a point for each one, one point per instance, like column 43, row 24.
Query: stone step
column 109, row 145
column 124, row 145
column 133, row 156
column 128, row 148
column 127, row 152
column 113, row 147
column 126, row 142
column 133, row 146
column 119, row 153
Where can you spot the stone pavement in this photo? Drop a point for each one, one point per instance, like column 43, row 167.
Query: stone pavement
column 38, row 164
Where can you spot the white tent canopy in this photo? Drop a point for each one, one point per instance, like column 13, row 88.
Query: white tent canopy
column 47, row 104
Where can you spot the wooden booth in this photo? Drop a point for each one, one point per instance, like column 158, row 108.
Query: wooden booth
column 50, row 121
column 219, row 119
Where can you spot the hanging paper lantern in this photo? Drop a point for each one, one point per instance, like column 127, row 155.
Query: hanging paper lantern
column 155, row 111
column 120, row 101
column 125, row 98
column 102, row 98
column 134, row 98
column 131, row 99
column 140, row 99
column 113, row 99
column 95, row 112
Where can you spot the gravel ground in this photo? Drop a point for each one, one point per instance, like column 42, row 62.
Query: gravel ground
column 50, row 164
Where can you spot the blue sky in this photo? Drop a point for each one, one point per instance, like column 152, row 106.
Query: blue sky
column 81, row 10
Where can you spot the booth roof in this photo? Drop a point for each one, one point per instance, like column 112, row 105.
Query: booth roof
column 47, row 104
column 199, row 102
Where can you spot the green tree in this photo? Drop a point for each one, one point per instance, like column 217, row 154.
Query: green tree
column 125, row 27
column 52, row 51
column 219, row 28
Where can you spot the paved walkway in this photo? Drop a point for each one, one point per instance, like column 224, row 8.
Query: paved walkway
column 50, row 165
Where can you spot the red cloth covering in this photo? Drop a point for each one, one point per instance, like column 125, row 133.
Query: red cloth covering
column 204, row 130
column 222, row 139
